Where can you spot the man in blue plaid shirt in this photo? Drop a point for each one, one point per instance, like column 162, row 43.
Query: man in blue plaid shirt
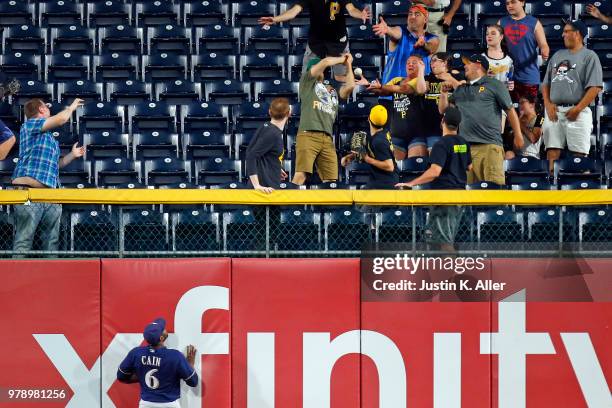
column 38, row 167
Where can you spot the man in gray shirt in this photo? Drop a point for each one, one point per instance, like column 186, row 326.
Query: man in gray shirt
column 573, row 80
column 481, row 101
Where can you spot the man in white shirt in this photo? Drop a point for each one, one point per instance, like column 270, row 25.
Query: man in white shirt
column 440, row 18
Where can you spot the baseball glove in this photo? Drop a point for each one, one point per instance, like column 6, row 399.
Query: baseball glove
column 10, row 88
column 358, row 145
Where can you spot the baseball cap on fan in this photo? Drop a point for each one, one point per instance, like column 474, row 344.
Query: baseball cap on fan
column 578, row 26
column 476, row 58
column 154, row 330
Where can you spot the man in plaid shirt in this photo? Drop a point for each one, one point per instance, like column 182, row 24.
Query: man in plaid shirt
column 38, row 167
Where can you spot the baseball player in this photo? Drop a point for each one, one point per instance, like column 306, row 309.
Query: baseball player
column 159, row 370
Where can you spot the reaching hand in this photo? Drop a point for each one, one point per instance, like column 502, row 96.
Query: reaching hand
column 76, row 103
column 78, row 151
column 374, row 85
column 348, row 59
column 284, row 175
column 265, row 190
column 366, row 14
column 381, row 29
column 190, row 354
column 594, row 11
column 447, row 19
column 362, row 82
column 266, row 20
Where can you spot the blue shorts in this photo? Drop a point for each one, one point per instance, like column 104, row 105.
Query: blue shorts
column 404, row 145
column 5, row 133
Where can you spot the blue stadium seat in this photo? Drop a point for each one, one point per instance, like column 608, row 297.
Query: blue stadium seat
column 534, row 185
column 369, row 64
column 149, row 116
column 154, row 145
column 66, row 67
column 21, row 65
column 581, row 185
column 115, row 172
column 129, row 92
column 7, row 166
column 33, row 89
column 543, row 226
column 76, row 172
column 294, row 119
column 606, row 145
column 526, row 170
column 160, row 12
column 195, row 230
column 550, row 11
column 269, row 39
column 572, row 169
column 266, row 91
column 121, row 38
column 26, row 39
column 15, row 13
column 94, row 230
column 412, row 168
column 347, row 230
column 179, row 92
column 605, row 120
column 206, row 145
column 249, row 116
column 169, row 38
column 606, row 63
column 89, row 91
column 299, row 39
column 116, row 67
column 580, row 10
column 398, row 224
column 500, row 225
column 103, row 144
column 205, row 116
column 144, row 230
column 164, row 67
column 298, row 230
column 489, row 12
column 394, row 12
column 73, row 39
column 242, row 231
column 213, row 66
column 595, row 226
column 205, row 13
column 60, row 13
column 100, row 116
column 363, row 39
column 294, row 67
column 353, row 116
column 484, row 185
column 462, row 36
column 219, row 39
column 554, row 37
column 261, row 65
column 108, row 13
column 228, row 92
column 247, row 13
column 217, row 171
column 358, row 173
column 165, row 171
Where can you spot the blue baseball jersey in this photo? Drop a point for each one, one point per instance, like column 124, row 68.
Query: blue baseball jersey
column 159, row 372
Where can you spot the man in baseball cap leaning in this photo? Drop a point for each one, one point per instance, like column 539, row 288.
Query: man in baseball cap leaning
column 159, row 370
column 378, row 153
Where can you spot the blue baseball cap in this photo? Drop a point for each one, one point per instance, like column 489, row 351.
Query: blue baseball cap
column 154, row 330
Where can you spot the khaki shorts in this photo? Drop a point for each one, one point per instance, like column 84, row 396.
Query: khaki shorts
column 316, row 150
column 487, row 164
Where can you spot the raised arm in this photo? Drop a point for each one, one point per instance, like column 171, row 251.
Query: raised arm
column 62, row 117
column 382, row 29
column 363, row 15
column 288, row 15
column 347, row 89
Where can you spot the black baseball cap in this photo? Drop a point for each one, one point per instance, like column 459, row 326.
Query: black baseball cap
column 479, row 58
column 578, row 26
column 452, row 116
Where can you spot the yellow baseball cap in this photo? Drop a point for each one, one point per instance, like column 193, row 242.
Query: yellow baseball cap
column 378, row 116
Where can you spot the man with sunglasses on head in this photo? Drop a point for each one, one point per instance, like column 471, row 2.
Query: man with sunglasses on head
column 159, row 370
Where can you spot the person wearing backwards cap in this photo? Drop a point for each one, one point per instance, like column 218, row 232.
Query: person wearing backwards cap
column 314, row 146
column 481, row 101
column 450, row 160
column 573, row 79
column 159, row 370
column 379, row 153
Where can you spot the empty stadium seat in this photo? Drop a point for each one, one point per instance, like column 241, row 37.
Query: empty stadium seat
column 266, row 91
column 159, row 12
column 205, row 116
column 412, row 168
column 213, row 66
column 262, row 65
column 242, row 232
column 164, row 67
column 550, row 11
column 100, row 116
column 115, row 171
column 249, row 116
column 595, row 226
column 572, row 169
column 205, row 13
column 144, row 230
column 116, row 67
column 499, row 225
column 353, row 116
column 73, row 39
column 358, row 173
column 25, row 38
column 298, row 230
column 554, row 37
column 228, row 92
column 266, row 38
column 247, row 13
column 363, row 39
column 169, row 38
column 534, row 185
column 129, row 92
column 299, row 39
column 76, row 172
column 543, row 226
column 179, row 92
column 94, row 230
column 165, row 171
column 219, row 39
column 59, row 13
column 103, row 144
column 217, row 171
column 195, row 230
column 90, row 92
column 108, row 13
column 347, row 230
column 206, row 145
column 66, row 67
column 462, row 36
column 580, row 185
column 121, row 38
column 395, row 13
column 489, row 12
column 21, row 65
column 15, row 13
column 7, row 166
column 33, row 89
column 398, row 224
column 155, row 144
column 484, row 185
column 526, row 170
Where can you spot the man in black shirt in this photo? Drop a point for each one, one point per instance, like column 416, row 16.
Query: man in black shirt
column 450, row 161
column 265, row 152
column 379, row 155
column 327, row 36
